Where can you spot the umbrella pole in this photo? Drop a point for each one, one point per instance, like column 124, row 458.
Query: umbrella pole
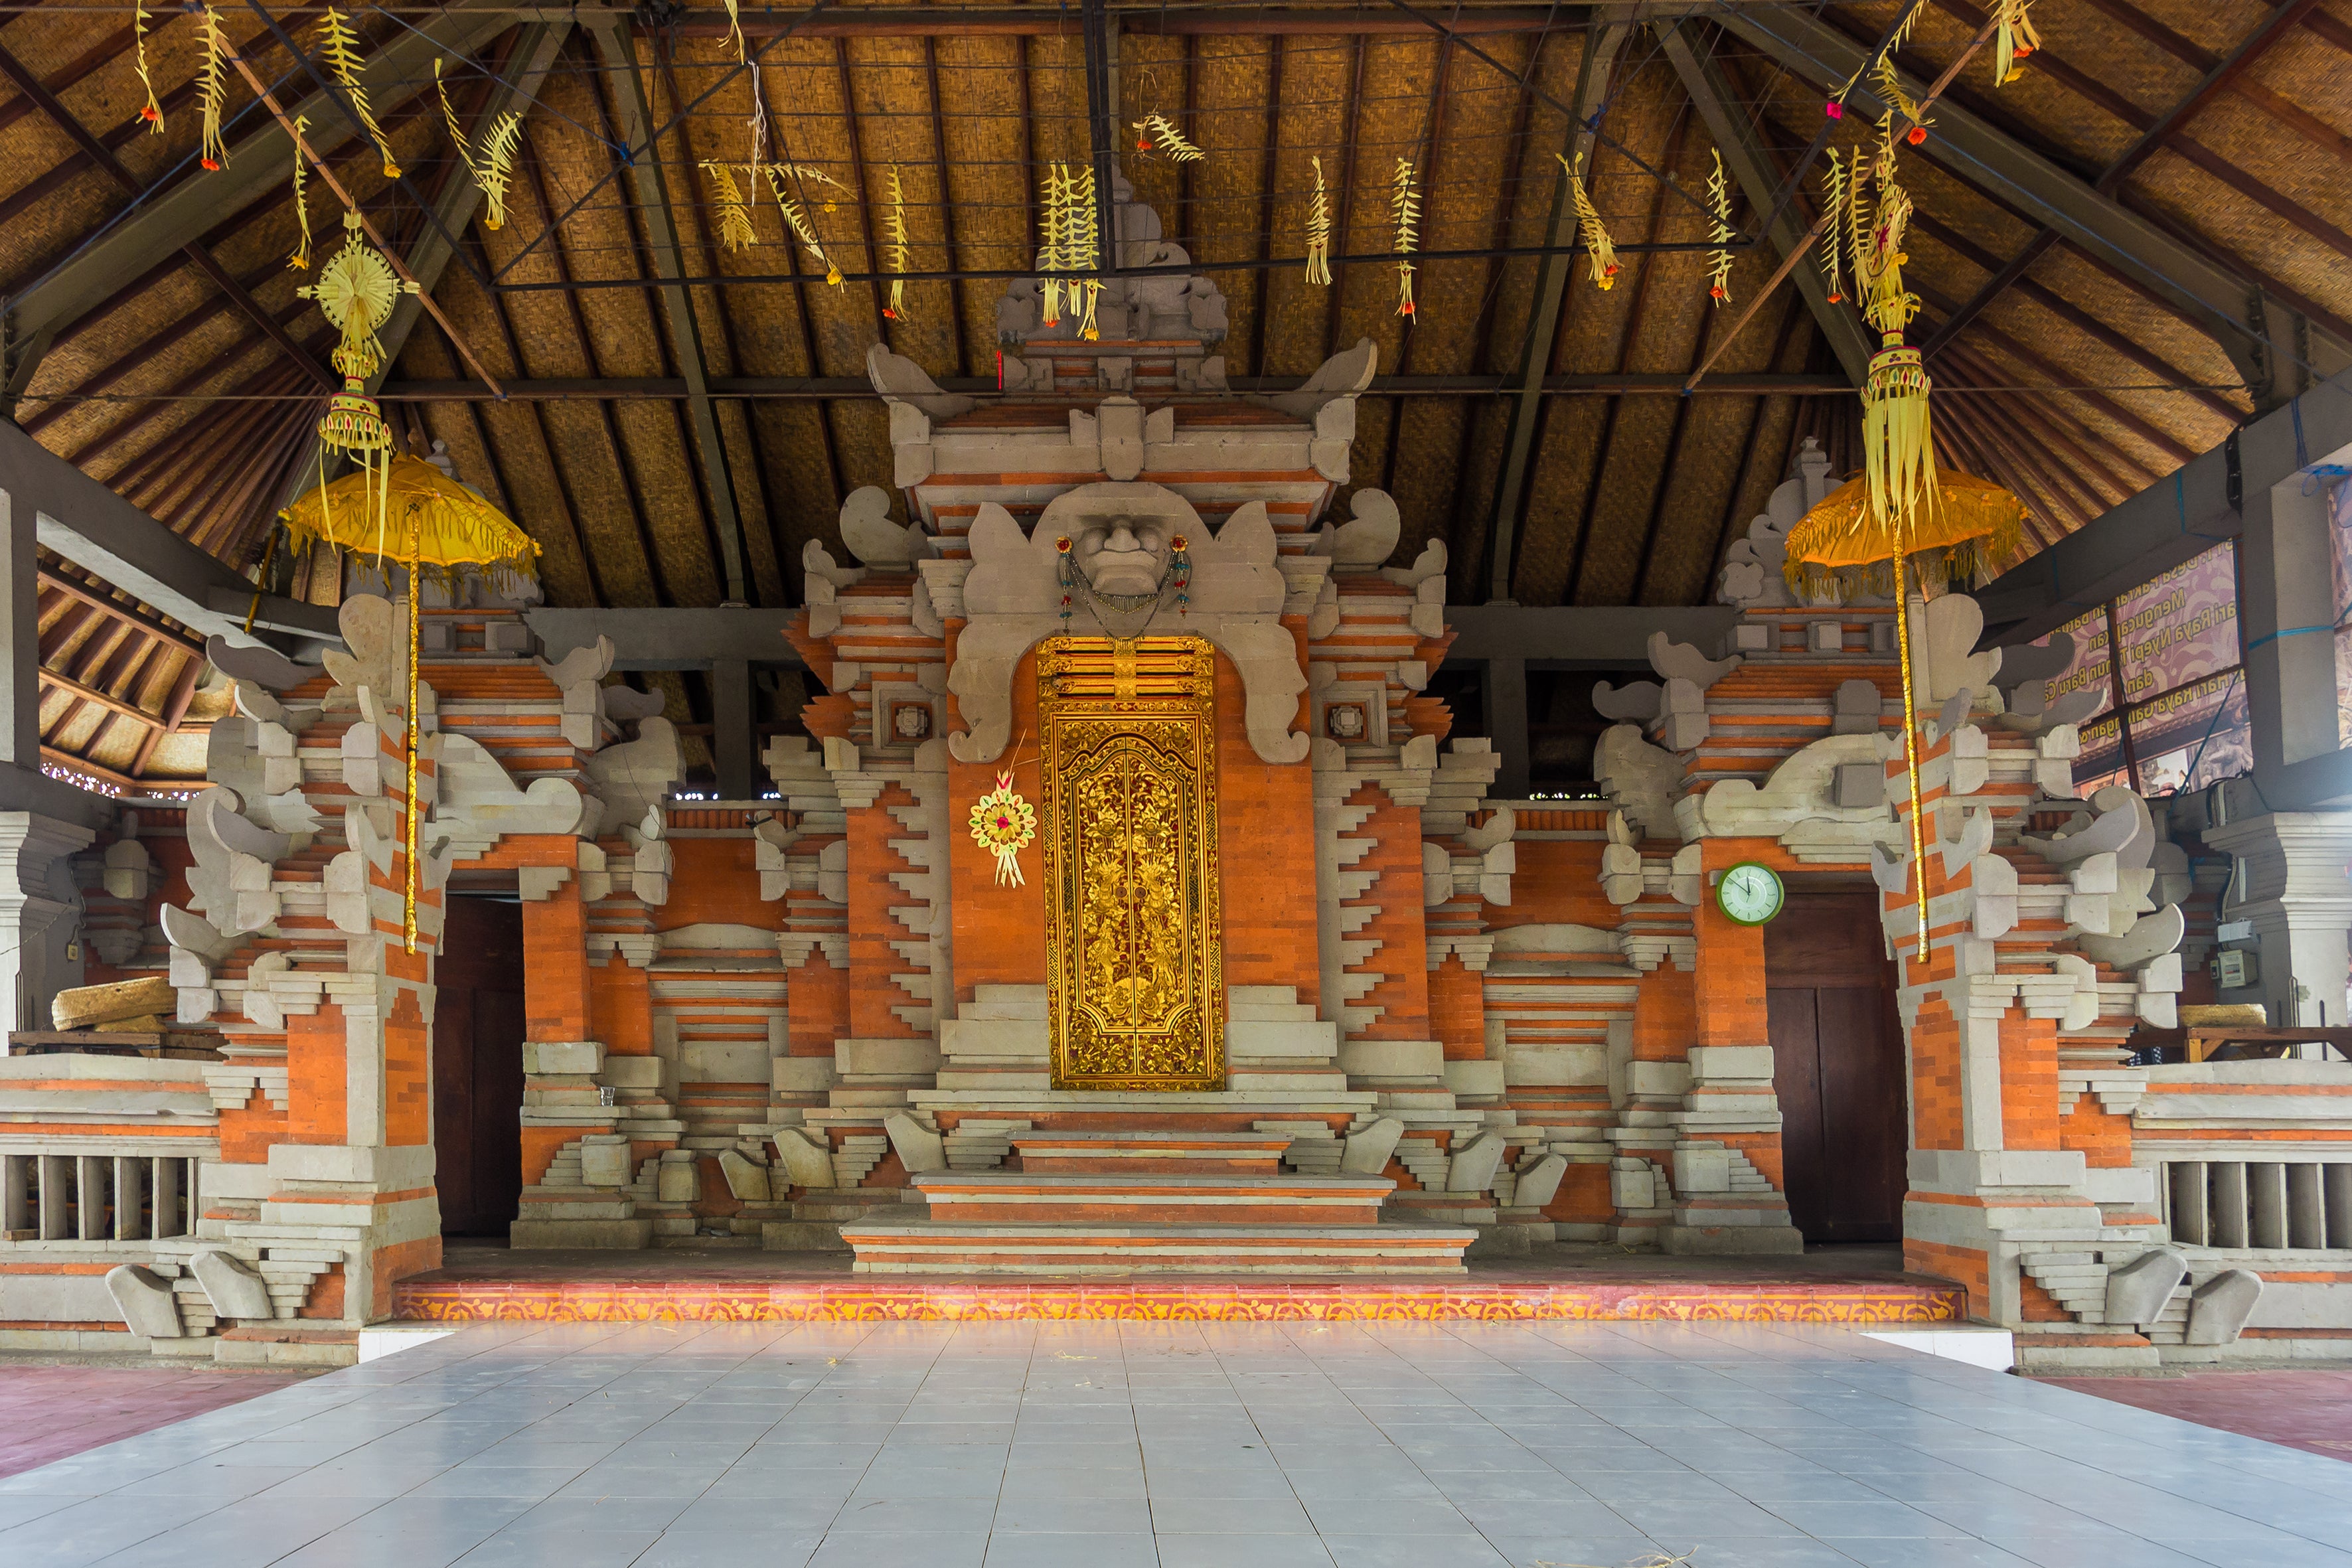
column 1911, row 746
column 415, row 608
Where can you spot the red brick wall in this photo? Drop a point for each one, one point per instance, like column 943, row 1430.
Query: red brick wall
column 620, row 1006
column 2029, row 1081
column 816, row 998
column 1729, row 978
column 714, row 880
column 1402, row 958
column 1935, row 1078
column 872, row 993
column 1265, row 849
column 1000, row 931
column 407, row 1083
column 1457, row 1010
column 318, row 1091
column 555, row 968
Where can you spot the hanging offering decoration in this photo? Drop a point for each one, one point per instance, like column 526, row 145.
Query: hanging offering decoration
column 300, row 260
column 1718, row 261
column 1869, row 532
column 1835, row 182
column 2013, row 39
column 1157, row 128
column 1070, row 246
column 338, row 46
column 1835, row 107
column 1599, row 252
column 897, row 249
column 735, row 29
column 210, row 78
column 153, row 112
column 1404, row 203
column 1005, row 825
column 491, row 168
column 356, row 292
column 1319, row 230
column 735, row 230
column 796, row 217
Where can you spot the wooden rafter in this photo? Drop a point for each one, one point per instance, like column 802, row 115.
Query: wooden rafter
column 102, row 158
column 1636, row 309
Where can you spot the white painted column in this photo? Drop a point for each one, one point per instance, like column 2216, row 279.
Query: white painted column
column 2291, row 885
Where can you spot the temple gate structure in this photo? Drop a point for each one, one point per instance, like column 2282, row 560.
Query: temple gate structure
column 1266, row 981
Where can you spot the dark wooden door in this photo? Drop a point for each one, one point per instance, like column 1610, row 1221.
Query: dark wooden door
column 1837, row 1066
column 477, row 1030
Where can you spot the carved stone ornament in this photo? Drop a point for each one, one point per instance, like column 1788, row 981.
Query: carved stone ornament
column 1012, row 599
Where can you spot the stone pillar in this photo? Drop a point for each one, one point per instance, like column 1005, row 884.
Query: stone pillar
column 40, row 917
column 730, row 728
column 20, row 638
column 1504, row 689
column 2290, row 884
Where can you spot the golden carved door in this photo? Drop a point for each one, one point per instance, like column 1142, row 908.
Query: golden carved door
column 1134, row 973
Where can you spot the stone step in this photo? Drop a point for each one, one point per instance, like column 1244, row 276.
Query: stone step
column 992, row 1197
column 1152, row 1150
column 1116, row 1248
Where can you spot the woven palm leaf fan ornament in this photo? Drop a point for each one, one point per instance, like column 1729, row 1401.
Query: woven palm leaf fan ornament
column 1900, row 519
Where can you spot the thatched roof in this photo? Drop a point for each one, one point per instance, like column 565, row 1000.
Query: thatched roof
column 187, row 390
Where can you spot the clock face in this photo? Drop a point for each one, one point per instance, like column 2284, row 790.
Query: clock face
column 1749, row 893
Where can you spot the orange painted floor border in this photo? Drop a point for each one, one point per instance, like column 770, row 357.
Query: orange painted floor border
column 1204, row 1301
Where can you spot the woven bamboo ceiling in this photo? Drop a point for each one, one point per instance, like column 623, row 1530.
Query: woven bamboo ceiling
column 190, row 376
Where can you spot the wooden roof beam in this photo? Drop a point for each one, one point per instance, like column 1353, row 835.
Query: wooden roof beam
column 79, row 519
column 1604, row 41
column 1759, row 180
column 2220, row 302
column 170, row 218
column 101, row 157
column 618, row 51
column 772, row 388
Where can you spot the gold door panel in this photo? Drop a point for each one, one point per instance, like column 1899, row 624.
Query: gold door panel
column 1134, row 968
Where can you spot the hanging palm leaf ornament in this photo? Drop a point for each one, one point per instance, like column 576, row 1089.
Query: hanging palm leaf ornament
column 1901, row 520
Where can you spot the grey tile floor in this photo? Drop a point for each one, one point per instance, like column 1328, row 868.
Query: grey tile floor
column 1103, row 1446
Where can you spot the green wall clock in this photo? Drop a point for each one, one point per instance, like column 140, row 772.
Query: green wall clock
column 1750, row 893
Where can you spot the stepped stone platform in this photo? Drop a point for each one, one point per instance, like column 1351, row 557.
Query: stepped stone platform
column 485, row 1282
column 1152, row 1200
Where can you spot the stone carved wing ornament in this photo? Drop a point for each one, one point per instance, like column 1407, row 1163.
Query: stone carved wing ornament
column 1118, row 531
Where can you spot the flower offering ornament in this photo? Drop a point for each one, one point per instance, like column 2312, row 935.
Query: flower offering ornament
column 1005, row 825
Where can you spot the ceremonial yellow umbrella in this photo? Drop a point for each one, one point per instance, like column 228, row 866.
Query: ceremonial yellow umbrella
column 435, row 525
column 1958, row 529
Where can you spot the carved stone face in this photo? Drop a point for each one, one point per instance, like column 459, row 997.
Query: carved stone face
column 1124, row 556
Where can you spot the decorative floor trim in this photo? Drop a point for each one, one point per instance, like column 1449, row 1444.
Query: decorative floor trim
column 584, row 1301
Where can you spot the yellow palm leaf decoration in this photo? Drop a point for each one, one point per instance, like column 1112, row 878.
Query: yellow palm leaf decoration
column 210, row 79
column 1404, row 205
column 154, row 113
column 338, row 46
column 300, row 260
column 2014, row 40
column 1319, row 230
column 1600, row 250
column 1157, row 128
column 893, row 229
column 493, row 167
column 1718, row 206
column 735, row 230
column 440, row 526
